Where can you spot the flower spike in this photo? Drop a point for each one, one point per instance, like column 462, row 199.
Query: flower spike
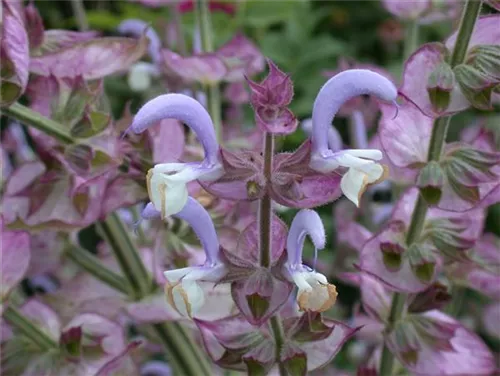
column 362, row 170
column 314, row 292
column 167, row 181
column 182, row 288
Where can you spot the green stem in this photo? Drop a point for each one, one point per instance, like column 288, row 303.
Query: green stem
column 80, row 16
column 471, row 11
column 32, row 118
column 212, row 90
column 29, row 329
column 279, row 336
column 93, row 266
column 436, row 144
column 411, row 38
column 214, row 108
column 387, row 359
column 127, row 255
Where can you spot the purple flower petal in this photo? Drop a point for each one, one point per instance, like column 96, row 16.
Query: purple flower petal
column 34, row 26
column 201, row 223
column 339, row 89
column 137, row 28
column 91, row 59
column 185, row 109
column 167, row 138
column 242, row 57
column 305, row 223
column 15, row 52
column 490, row 319
column 43, row 316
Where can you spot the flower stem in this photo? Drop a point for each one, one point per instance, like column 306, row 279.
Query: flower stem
column 265, row 220
column 127, row 255
column 79, row 13
column 469, row 16
column 32, row 118
column 93, row 266
column 265, row 210
column 29, row 329
column 212, row 90
column 411, row 38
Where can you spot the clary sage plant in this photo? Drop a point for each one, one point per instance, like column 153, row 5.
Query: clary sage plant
column 182, row 235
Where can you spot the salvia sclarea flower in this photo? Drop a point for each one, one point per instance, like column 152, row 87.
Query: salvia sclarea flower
column 167, row 182
column 313, row 175
column 182, row 287
column 425, row 11
column 314, row 291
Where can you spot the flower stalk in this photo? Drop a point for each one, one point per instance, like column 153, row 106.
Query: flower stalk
column 265, row 220
column 469, row 16
column 29, row 329
column 411, row 38
column 212, row 91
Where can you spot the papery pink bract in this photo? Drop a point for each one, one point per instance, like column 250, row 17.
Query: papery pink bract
column 14, row 50
column 34, row 26
column 407, row 9
column 485, row 32
column 15, row 255
column 91, row 59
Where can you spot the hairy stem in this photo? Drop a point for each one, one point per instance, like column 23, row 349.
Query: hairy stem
column 29, row 329
column 265, row 210
column 436, row 144
column 93, row 266
column 265, row 220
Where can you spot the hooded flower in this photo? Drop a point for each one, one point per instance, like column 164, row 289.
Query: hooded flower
column 182, row 288
column 314, row 292
column 167, row 181
column 362, row 170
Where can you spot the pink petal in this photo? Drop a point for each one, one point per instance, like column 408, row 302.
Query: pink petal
column 406, row 9
column 468, row 354
column 47, row 250
column 417, row 70
column 405, row 138
column 15, row 254
column 15, row 52
column 55, row 40
column 152, row 309
column 34, row 26
column 206, row 68
column 486, row 31
column 167, row 141
column 91, row 59
column 323, row 351
column 249, row 59
column 248, row 244
column 490, row 319
column 122, row 192
column 122, row 364
column 43, row 316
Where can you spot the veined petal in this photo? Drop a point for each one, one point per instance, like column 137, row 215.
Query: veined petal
column 185, row 109
column 339, row 89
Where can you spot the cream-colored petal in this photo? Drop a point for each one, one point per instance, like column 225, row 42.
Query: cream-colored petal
column 300, row 280
column 186, row 297
column 373, row 154
column 175, row 275
column 320, row 298
column 353, row 184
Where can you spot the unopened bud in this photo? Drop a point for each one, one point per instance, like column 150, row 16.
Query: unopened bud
column 430, row 181
column 475, row 85
column 422, row 261
column 439, row 86
column 435, row 297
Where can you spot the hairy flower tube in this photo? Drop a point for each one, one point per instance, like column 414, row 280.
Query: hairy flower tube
column 314, row 292
column 167, row 182
column 362, row 170
column 182, row 288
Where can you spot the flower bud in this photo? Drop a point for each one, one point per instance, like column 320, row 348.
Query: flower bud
column 439, row 86
column 71, row 342
column 430, row 182
column 486, row 58
column 435, row 297
column 475, row 85
column 293, row 359
column 422, row 261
